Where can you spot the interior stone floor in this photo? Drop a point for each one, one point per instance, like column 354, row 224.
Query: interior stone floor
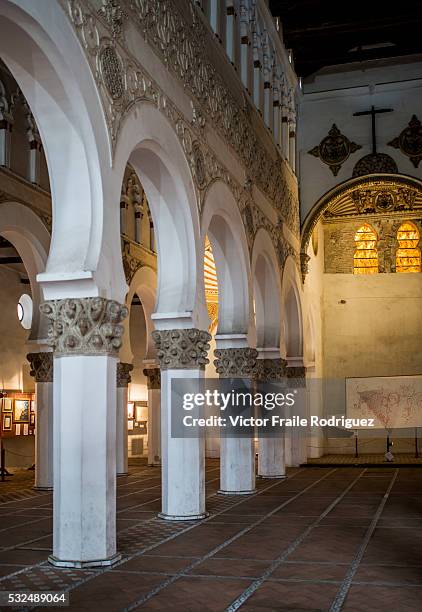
column 323, row 539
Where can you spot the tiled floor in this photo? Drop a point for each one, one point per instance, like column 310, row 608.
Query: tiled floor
column 323, row 539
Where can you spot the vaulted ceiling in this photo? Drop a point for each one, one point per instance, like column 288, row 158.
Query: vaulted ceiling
column 326, row 32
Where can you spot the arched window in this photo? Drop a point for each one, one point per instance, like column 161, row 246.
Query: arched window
column 366, row 255
column 408, row 255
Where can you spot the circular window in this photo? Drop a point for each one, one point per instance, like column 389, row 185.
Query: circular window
column 24, row 311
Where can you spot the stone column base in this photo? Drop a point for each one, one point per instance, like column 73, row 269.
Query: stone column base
column 122, row 474
column 279, row 476
column 251, row 492
column 85, row 564
column 174, row 517
column 42, row 488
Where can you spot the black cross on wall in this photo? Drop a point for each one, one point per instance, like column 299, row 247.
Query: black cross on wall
column 373, row 112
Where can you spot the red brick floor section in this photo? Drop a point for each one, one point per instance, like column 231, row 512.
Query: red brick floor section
column 323, row 539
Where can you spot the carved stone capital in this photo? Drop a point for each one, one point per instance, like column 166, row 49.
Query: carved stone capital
column 270, row 370
column 235, row 362
column 123, row 374
column 297, row 372
column 182, row 348
column 154, row 377
column 85, row 326
column 41, row 366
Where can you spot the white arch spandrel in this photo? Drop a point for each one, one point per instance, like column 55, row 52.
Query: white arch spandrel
column 28, row 234
column 144, row 285
column 223, row 224
column 267, row 293
column 291, row 312
column 39, row 46
column 148, row 142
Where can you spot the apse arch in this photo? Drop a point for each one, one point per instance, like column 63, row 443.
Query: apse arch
column 267, row 292
column 340, row 196
column 223, row 224
column 148, row 142
column 28, row 234
column 291, row 308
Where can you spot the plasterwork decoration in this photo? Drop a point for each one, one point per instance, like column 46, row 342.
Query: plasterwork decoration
column 235, row 362
column 334, row 149
column 85, row 326
column 41, row 366
column 180, row 45
column 409, row 141
column 182, row 348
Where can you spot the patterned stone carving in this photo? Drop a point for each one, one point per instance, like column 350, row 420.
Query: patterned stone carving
column 375, row 163
column 175, row 31
column 334, row 149
column 409, row 141
column 111, row 70
column 41, row 366
column 123, row 371
column 270, row 370
column 114, row 15
column 235, row 362
column 154, row 377
column 182, row 348
column 85, row 326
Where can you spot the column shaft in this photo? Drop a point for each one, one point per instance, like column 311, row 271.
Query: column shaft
column 237, row 454
column 182, row 354
column 154, row 415
column 122, row 381
column 86, row 336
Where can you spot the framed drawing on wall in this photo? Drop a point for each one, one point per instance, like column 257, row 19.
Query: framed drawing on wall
column 7, row 422
column 32, row 419
column 7, row 404
column 21, row 413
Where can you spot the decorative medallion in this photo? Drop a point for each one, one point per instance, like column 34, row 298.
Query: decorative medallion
column 334, row 149
column 111, row 71
column 375, row 163
column 410, row 141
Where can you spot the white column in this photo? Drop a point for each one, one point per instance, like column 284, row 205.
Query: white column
column 154, row 415
column 86, row 335
column 42, row 370
column 5, row 137
column 122, row 381
column 182, row 354
column 237, row 454
column 271, row 462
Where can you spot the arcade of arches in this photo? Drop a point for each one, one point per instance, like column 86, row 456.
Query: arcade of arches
column 173, row 209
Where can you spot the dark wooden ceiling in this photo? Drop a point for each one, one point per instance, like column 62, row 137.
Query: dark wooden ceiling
column 324, row 33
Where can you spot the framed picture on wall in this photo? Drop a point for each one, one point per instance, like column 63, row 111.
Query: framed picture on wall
column 7, row 404
column 21, row 413
column 32, row 405
column 7, row 422
column 32, row 419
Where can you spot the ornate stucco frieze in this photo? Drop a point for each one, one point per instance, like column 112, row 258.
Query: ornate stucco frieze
column 177, row 36
column 235, row 362
column 270, row 370
column 85, row 326
column 123, row 371
column 153, row 377
column 182, row 348
column 41, row 366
